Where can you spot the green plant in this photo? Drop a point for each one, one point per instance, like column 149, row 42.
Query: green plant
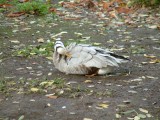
column 2, row 1
column 145, row 2
column 2, row 85
column 34, row 7
column 43, row 50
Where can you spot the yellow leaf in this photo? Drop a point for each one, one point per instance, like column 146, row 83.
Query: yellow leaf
column 87, row 119
column 50, row 58
column 97, row 43
column 46, row 83
column 88, row 81
column 34, row 89
column 40, row 40
column 103, row 105
column 149, row 56
column 155, row 61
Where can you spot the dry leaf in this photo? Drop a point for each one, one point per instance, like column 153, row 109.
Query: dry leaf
column 137, row 118
column 106, row 5
column 88, row 81
column 152, row 26
column 49, row 58
column 87, row 119
column 5, row 5
column 103, row 105
column 95, row 43
column 113, row 14
column 122, row 10
column 141, row 116
column 15, row 41
column 16, row 14
column 155, row 61
column 40, row 40
column 34, row 89
column 143, row 110
column 52, row 10
column 149, row 56
column 52, row 96
column 118, row 116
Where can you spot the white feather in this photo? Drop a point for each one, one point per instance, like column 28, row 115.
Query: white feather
column 84, row 57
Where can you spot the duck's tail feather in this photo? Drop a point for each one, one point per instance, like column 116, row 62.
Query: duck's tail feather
column 121, row 59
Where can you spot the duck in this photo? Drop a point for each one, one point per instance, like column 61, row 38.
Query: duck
column 85, row 59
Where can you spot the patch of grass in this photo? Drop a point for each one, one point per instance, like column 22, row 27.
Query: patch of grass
column 7, row 86
column 31, row 86
column 34, row 7
column 145, row 2
column 3, row 1
column 137, row 50
column 107, row 93
column 74, row 91
column 3, row 85
column 41, row 50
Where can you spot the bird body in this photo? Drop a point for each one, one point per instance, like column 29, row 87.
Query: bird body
column 84, row 59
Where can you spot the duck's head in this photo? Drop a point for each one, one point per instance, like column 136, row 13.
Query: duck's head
column 59, row 47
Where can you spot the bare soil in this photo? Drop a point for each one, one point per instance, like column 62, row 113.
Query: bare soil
column 120, row 91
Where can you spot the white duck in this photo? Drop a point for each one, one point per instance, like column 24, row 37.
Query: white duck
column 84, row 59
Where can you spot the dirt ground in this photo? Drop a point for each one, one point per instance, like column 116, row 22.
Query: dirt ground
column 120, row 95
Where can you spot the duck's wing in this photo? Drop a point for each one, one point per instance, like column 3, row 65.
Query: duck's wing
column 90, row 56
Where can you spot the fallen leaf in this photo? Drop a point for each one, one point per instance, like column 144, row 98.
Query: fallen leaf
column 149, row 56
column 155, row 61
column 132, row 91
column 143, row 110
column 152, row 26
column 5, row 5
column 16, row 14
column 137, row 118
column 34, row 89
column 25, row 29
column 118, row 116
column 106, row 5
column 46, row 83
column 52, row 96
column 49, row 74
column 49, row 58
column 141, row 116
column 48, row 104
column 113, row 14
column 103, row 105
column 128, row 111
column 52, row 10
column 149, row 115
column 58, row 34
column 91, row 4
column 123, row 10
column 15, row 41
column 21, row 117
column 96, row 44
column 87, row 119
column 88, row 81
column 40, row 40
column 72, row 113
